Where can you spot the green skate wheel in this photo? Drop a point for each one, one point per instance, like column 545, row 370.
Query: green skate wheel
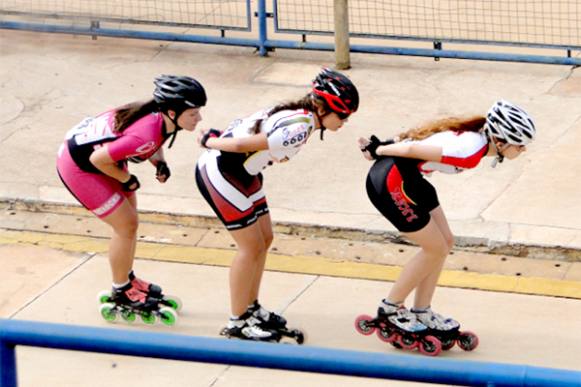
column 128, row 316
column 168, row 316
column 173, row 302
column 104, row 296
column 108, row 312
column 148, row 317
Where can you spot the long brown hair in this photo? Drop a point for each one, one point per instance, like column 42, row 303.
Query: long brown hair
column 309, row 102
column 128, row 114
column 470, row 124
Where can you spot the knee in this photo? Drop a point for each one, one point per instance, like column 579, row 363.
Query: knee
column 438, row 251
column 128, row 228
column 254, row 249
column 268, row 241
column 450, row 242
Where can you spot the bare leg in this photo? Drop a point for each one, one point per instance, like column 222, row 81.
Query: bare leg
column 266, row 228
column 425, row 290
column 430, row 257
column 133, row 201
column 251, row 250
column 124, row 221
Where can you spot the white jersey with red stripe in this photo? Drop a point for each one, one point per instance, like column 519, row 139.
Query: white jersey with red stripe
column 287, row 131
column 460, row 151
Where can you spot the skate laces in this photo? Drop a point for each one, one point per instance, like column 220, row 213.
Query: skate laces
column 140, row 284
column 135, row 295
column 253, row 328
column 402, row 317
column 435, row 320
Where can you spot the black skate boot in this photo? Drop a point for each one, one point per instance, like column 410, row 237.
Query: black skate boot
column 446, row 329
column 248, row 327
column 155, row 291
column 396, row 325
column 275, row 322
column 129, row 301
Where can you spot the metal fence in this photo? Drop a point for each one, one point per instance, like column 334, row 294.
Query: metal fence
column 538, row 31
column 264, row 355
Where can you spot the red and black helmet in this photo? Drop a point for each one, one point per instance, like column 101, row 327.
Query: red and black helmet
column 337, row 90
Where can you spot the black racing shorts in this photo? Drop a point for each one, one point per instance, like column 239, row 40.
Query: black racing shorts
column 398, row 190
column 235, row 196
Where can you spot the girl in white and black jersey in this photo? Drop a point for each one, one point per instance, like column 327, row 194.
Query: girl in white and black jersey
column 397, row 188
column 229, row 177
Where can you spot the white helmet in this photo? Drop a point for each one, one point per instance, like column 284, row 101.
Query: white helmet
column 509, row 123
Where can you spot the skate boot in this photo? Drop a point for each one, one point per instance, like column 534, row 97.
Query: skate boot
column 446, row 329
column 396, row 325
column 248, row 327
column 152, row 290
column 155, row 291
column 275, row 322
column 128, row 302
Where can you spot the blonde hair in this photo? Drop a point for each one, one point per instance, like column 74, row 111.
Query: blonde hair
column 470, row 124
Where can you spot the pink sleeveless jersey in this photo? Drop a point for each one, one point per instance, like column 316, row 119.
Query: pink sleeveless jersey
column 98, row 192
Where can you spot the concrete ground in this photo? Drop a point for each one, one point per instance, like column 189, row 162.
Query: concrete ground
column 55, row 264
column 333, row 256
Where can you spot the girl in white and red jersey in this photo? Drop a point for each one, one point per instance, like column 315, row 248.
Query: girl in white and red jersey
column 229, row 177
column 397, row 188
column 92, row 163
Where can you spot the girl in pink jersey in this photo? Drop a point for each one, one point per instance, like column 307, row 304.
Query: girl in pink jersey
column 396, row 187
column 229, row 177
column 92, row 163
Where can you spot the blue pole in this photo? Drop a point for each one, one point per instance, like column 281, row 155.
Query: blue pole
column 7, row 364
column 262, row 34
column 118, row 33
column 288, row 357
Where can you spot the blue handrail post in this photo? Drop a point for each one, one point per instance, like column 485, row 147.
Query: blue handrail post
column 7, row 365
column 262, row 35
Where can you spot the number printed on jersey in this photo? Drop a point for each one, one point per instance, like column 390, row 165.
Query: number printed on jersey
column 91, row 130
column 294, row 137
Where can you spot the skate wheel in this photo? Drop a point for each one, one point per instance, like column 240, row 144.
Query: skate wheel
column 468, row 341
column 168, row 316
column 448, row 344
column 148, row 318
column 430, row 346
column 407, row 342
column 104, row 296
column 108, row 312
column 386, row 336
column 173, row 302
column 299, row 336
column 362, row 325
column 128, row 316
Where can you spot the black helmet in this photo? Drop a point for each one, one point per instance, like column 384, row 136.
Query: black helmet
column 178, row 93
column 337, row 90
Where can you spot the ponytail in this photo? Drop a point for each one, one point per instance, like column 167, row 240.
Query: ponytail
column 309, row 102
column 455, row 124
column 128, row 114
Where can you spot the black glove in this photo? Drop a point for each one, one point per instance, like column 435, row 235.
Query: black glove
column 374, row 143
column 131, row 185
column 209, row 134
column 162, row 171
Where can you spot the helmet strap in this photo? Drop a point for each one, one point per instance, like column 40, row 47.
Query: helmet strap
column 320, row 118
column 177, row 127
column 499, row 156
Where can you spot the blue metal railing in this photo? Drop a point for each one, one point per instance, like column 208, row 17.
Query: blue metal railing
column 286, row 357
column 263, row 44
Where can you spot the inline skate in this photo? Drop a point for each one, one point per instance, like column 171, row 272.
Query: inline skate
column 399, row 327
column 128, row 302
column 248, row 327
column 152, row 290
column 447, row 330
column 276, row 323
